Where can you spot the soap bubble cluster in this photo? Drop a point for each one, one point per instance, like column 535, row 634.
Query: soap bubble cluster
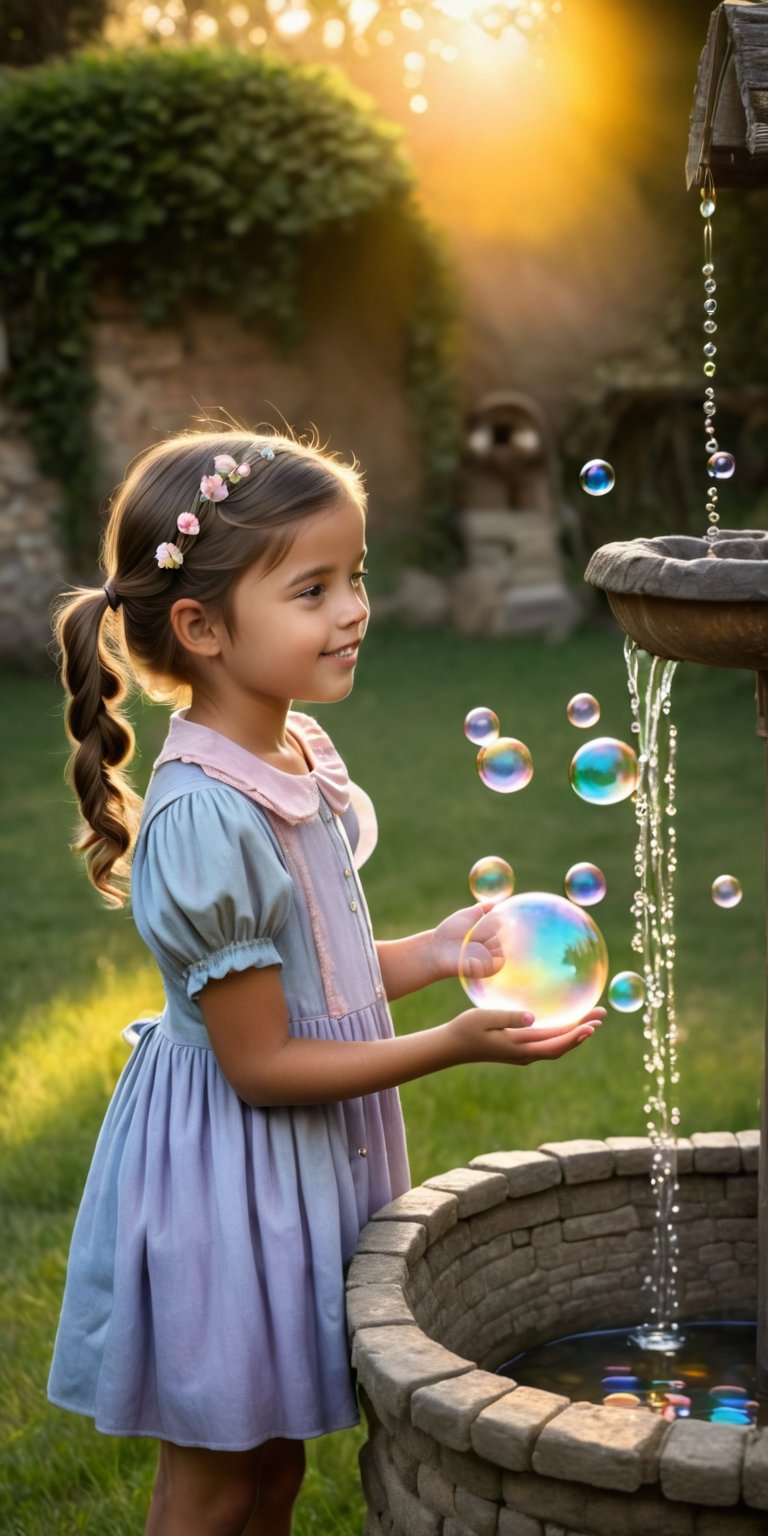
column 555, row 959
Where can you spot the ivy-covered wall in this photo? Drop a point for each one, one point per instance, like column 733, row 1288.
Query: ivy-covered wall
column 202, row 184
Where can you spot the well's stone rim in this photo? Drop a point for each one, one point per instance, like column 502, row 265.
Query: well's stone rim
column 395, row 1365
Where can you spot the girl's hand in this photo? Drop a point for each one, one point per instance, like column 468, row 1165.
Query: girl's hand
column 483, row 956
column 488, row 1034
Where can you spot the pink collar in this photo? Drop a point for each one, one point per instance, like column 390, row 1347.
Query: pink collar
column 295, row 797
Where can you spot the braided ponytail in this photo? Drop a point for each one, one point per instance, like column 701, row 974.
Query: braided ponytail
column 96, row 681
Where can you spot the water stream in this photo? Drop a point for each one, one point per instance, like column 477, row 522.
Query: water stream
column 653, row 908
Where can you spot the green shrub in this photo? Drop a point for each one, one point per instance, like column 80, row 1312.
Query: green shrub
column 205, row 177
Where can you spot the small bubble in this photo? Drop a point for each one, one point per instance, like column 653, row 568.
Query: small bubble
column 585, row 884
column 597, row 477
column 505, row 765
column 583, row 710
column 721, row 466
column 491, row 879
column 626, row 993
column 726, row 891
column 481, row 726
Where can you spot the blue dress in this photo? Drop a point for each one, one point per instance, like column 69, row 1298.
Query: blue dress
column 204, row 1301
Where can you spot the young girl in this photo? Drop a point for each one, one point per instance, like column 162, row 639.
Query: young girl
column 256, row 1125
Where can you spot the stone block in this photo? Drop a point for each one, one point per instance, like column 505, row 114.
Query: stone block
column 714, row 1253
column 643, row 1513
column 455, row 1527
column 377, row 1268
column 468, row 1471
column 448, row 1409
column 702, row 1462
column 605, row 1447
column 583, row 1199
column 484, row 1254
column 479, row 1515
column 737, row 1229
column 525, row 1172
column 749, row 1146
column 491, row 1224
column 435, row 1209
column 684, row 1154
column 730, row 1522
column 547, row 1498
column 392, row 1363
column 582, row 1160
column 600, row 1224
column 715, row 1152
column 547, row 1236
column 418, row 1445
column 443, row 1253
column 418, row 1283
column 405, row 1239
column 371, row 1306
column 474, row 1190
column 435, row 1490
column 411, row 1515
column 404, row 1464
column 755, row 1470
column 632, row 1154
column 506, row 1431
column 512, row 1523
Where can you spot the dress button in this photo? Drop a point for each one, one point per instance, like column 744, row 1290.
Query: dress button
column 353, row 906
column 347, row 874
column 362, row 1151
column 379, row 991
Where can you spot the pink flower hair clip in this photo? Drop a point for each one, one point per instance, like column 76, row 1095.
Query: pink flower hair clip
column 213, row 488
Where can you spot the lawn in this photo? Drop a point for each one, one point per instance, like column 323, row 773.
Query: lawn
column 75, row 973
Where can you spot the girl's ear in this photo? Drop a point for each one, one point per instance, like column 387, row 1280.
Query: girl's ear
column 193, row 628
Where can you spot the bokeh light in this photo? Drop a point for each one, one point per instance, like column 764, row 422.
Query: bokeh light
column 505, row 765
column 491, row 879
column 555, row 959
column 604, row 771
column 585, row 884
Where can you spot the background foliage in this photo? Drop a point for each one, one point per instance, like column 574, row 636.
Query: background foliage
column 203, row 177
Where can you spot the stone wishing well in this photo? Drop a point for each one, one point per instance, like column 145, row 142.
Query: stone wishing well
column 479, row 1263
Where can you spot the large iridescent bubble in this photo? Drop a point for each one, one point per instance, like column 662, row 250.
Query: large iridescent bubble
column 506, row 765
column 585, row 884
column 481, row 726
column 583, row 710
column 726, row 891
column 627, row 992
column 491, row 879
column 555, row 959
column 597, row 477
column 604, row 771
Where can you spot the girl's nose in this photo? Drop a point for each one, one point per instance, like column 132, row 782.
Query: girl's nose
column 356, row 609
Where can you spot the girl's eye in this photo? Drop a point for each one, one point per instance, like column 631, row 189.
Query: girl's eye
column 359, row 576
column 311, row 592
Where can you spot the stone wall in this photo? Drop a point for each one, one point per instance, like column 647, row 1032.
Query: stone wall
column 346, row 380
column 521, row 1247
column 32, row 565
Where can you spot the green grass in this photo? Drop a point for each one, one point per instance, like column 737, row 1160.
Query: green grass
column 74, row 974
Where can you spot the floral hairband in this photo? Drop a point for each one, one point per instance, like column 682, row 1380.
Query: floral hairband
column 213, row 488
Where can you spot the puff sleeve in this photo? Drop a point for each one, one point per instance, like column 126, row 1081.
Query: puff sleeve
column 211, row 890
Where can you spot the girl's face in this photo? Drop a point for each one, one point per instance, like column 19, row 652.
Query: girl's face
column 297, row 629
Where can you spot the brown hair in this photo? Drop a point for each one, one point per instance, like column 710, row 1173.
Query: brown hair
column 104, row 651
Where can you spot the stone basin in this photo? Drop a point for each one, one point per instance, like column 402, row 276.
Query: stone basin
column 677, row 600
column 479, row 1263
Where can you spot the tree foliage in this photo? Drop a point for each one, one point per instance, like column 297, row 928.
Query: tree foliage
column 196, row 177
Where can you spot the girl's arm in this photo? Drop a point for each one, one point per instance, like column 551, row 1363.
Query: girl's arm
column 415, row 962
column 247, row 1022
